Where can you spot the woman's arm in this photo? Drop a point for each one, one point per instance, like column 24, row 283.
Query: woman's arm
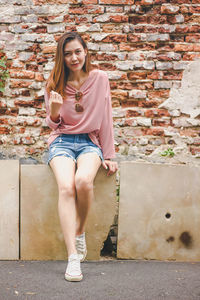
column 53, row 118
column 106, row 134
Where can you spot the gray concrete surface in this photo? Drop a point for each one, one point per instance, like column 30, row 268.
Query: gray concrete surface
column 105, row 280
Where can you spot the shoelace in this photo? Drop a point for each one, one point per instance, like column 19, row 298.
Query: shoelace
column 80, row 245
column 73, row 266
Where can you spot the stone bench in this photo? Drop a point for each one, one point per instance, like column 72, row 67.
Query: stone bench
column 159, row 212
column 9, row 209
column 40, row 233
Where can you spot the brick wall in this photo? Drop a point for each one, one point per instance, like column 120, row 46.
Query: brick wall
column 143, row 45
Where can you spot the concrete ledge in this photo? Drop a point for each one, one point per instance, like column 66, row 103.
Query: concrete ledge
column 159, row 212
column 41, row 237
column 9, row 209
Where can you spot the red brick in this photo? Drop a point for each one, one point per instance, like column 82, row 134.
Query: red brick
column 190, row 56
column 32, row 67
column 195, row 150
column 39, row 77
column 155, row 131
column 161, row 122
column 155, row 75
column 137, row 75
column 42, row 60
column 189, row 132
column 182, row 29
column 172, row 75
column 103, row 56
column 159, row 19
column 169, row 9
column 196, row 142
column 194, row 9
column 40, row 29
column 116, row 38
column 132, row 113
column 133, row 38
column 120, row 2
column 194, row 28
column 126, row 47
column 90, row 1
column 20, row 64
column 137, row 19
column 22, row 74
column 49, row 49
column 129, row 122
column 107, row 66
column 123, row 85
column 149, row 103
column 118, row 19
column 146, row 2
column 4, row 130
column 158, row 95
column 120, row 95
column 19, row 83
column 152, row 113
column 181, row 1
column 28, row 103
column 131, row 131
column 183, row 48
column 145, row 29
column 4, row 121
column 111, row 28
column 196, row 47
column 86, row 9
column 193, row 38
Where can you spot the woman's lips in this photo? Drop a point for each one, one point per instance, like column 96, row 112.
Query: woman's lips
column 75, row 64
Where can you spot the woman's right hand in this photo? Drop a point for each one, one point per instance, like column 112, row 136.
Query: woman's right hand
column 55, row 103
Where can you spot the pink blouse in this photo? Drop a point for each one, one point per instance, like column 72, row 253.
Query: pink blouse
column 96, row 119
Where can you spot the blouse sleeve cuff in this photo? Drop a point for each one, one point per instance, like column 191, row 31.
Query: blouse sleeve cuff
column 53, row 124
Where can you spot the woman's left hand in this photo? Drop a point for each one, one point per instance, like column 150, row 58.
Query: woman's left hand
column 112, row 166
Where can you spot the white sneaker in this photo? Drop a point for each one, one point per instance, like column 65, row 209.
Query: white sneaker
column 73, row 271
column 81, row 247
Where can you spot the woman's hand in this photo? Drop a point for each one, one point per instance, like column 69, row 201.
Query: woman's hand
column 112, row 166
column 55, row 103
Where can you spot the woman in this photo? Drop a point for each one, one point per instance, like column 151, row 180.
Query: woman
column 79, row 111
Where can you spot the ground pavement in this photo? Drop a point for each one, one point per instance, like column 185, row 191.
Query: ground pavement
column 105, row 280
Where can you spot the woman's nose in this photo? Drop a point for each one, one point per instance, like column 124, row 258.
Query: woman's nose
column 74, row 58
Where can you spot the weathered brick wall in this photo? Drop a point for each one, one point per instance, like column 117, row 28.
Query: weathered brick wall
column 143, row 45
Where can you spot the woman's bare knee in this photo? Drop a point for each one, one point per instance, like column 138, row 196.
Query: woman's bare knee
column 83, row 183
column 67, row 190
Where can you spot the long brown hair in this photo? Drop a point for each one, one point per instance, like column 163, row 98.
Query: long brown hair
column 59, row 75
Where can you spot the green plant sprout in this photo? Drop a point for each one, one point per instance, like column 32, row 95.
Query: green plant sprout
column 4, row 73
column 169, row 152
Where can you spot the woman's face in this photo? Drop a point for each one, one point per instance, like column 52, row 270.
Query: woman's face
column 74, row 55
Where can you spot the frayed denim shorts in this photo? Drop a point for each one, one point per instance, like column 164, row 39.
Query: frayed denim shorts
column 72, row 145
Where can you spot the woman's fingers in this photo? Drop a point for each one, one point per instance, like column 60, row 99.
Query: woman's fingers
column 104, row 165
column 55, row 97
column 112, row 166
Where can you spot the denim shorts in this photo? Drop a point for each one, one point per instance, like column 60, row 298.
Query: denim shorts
column 72, row 145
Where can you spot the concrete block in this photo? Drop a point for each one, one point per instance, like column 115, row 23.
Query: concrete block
column 9, row 209
column 159, row 212
column 41, row 236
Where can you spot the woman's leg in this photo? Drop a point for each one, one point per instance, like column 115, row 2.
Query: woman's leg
column 87, row 167
column 64, row 171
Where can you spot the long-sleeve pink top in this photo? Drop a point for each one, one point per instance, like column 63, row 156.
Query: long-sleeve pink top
column 96, row 119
